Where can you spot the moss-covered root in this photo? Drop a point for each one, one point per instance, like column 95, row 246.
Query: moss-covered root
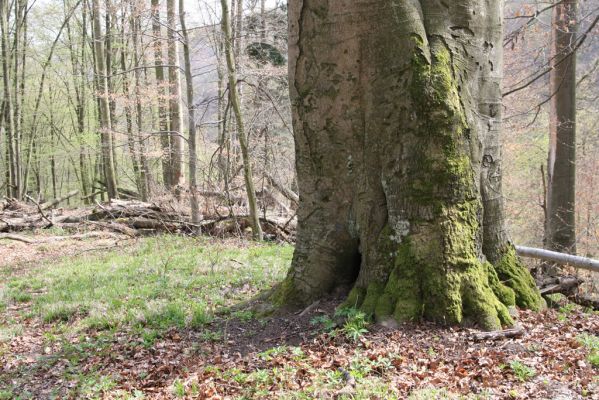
column 470, row 296
column 516, row 276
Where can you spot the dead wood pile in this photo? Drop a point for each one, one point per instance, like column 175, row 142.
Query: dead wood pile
column 131, row 218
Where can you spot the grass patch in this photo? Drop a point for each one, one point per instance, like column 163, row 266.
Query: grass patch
column 591, row 342
column 163, row 282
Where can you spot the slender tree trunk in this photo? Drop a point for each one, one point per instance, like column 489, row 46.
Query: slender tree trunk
column 13, row 187
column 396, row 109
column 163, row 119
column 560, row 229
column 235, row 104
column 143, row 161
column 105, row 122
column 175, row 136
column 191, row 121
column 79, row 83
column 131, row 136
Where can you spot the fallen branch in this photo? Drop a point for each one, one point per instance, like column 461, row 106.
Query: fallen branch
column 288, row 193
column 560, row 258
column 515, row 332
column 41, row 211
column 566, row 284
column 18, row 238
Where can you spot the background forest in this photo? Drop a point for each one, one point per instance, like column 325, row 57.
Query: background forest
column 164, row 77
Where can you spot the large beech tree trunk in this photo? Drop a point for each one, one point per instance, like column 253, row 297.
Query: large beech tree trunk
column 396, row 109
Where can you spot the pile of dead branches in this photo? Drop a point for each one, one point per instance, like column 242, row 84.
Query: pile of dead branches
column 131, row 218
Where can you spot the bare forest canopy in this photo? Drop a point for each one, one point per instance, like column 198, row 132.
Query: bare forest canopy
column 99, row 97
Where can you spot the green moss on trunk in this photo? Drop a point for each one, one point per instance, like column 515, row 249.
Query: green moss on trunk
column 516, row 276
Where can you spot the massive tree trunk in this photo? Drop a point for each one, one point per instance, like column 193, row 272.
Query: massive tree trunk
column 560, row 227
column 396, row 108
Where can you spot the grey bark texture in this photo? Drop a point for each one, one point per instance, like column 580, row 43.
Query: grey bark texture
column 560, row 229
column 397, row 114
column 174, row 76
column 104, row 105
column 191, row 120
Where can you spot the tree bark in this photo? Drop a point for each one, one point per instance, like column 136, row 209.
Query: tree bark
column 163, row 120
column 560, row 229
column 13, row 184
column 105, row 123
column 144, row 191
column 396, row 110
column 175, row 135
column 191, row 121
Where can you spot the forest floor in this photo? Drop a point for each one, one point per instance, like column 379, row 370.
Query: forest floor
column 154, row 318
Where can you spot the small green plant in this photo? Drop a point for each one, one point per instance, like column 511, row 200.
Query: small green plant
column 269, row 354
column 178, row 388
column 355, row 325
column 522, row 371
column 199, row 316
column 591, row 342
column 244, row 315
column 212, row 336
column 565, row 311
column 324, row 321
column 149, row 338
column 260, row 376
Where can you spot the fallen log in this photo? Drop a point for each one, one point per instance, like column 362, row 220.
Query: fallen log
column 58, row 200
column 560, row 258
column 562, row 284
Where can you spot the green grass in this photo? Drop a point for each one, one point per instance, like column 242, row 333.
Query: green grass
column 165, row 282
column 156, row 285
column 591, row 342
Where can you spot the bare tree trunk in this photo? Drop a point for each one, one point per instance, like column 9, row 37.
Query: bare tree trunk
column 143, row 161
column 191, row 121
column 13, row 187
column 176, row 137
column 163, row 120
column 78, row 68
column 560, row 229
column 235, row 104
column 396, row 109
column 105, row 122
column 131, row 136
